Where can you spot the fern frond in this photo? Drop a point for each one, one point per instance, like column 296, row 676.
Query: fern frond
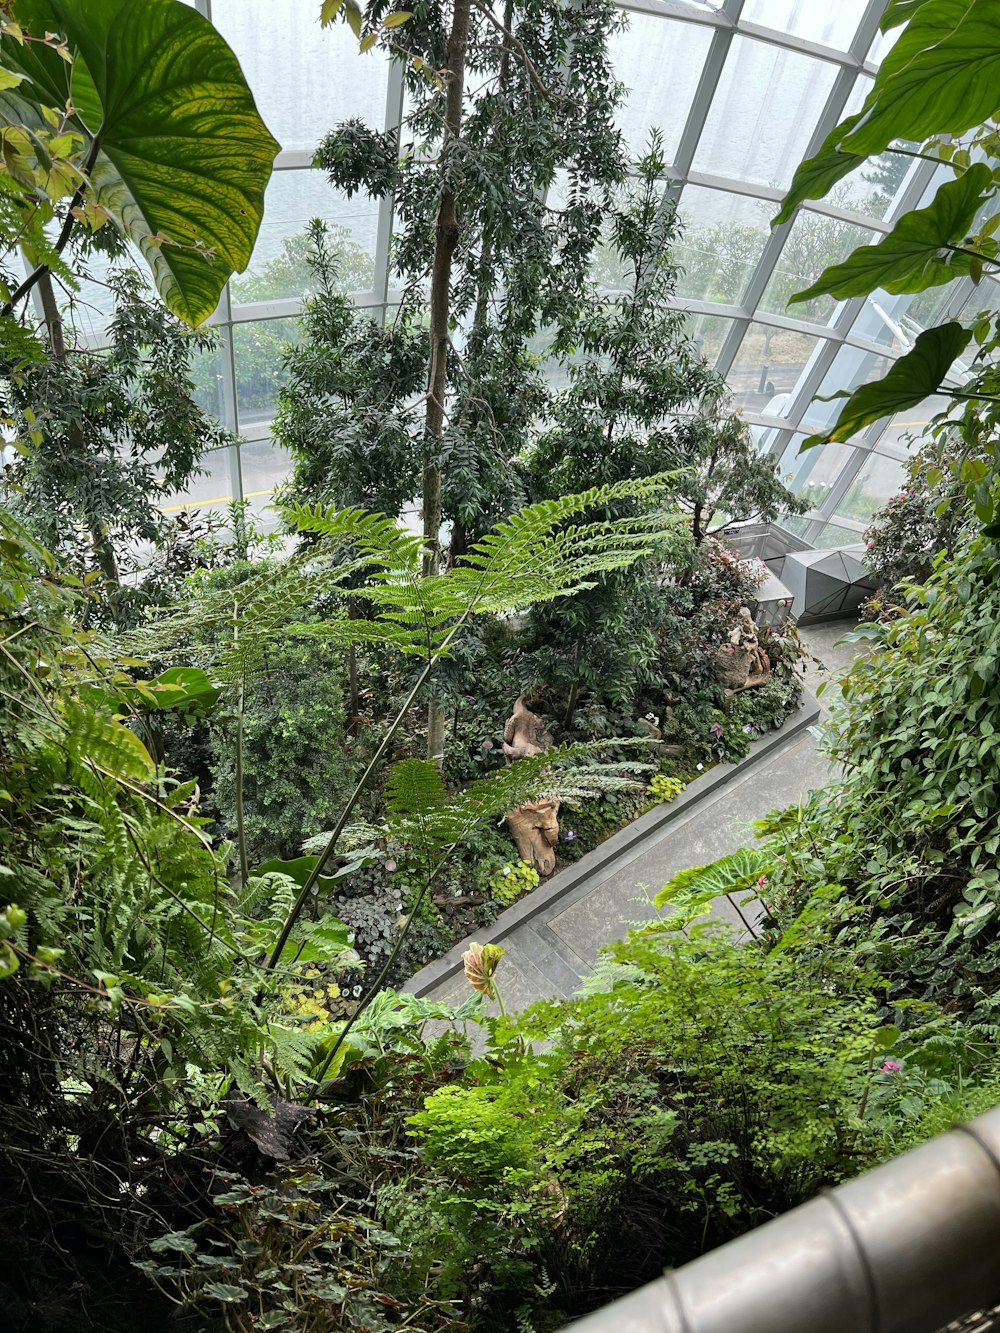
column 534, row 556
column 429, row 820
column 111, row 746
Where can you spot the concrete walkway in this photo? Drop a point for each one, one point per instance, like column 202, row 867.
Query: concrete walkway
column 552, row 937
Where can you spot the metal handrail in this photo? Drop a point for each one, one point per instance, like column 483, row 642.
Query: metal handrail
column 905, row 1248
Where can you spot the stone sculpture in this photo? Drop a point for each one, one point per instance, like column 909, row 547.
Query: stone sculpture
column 741, row 662
column 534, row 826
column 524, row 733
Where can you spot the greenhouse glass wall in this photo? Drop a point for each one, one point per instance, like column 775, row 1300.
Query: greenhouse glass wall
column 742, row 91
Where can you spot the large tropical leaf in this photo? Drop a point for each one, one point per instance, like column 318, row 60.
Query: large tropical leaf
column 730, row 874
column 180, row 157
column 818, row 174
column 919, row 251
column 941, row 77
column 898, row 12
column 913, row 378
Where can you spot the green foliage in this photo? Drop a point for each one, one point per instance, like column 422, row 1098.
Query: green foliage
column 136, row 1001
column 299, row 769
column 909, row 834
column 698, row 1090
column 664, row 789
column 539, row 102
column 929, row 91
column 184, row 180
column 915, row 376
column 692, row 890
column 932, row 82
column 346, row 412
column 305, row 1248
column 538, row 554
column 765, row 707
column 633, row 375
column 938, row 78
column 930, row 515
column 511, row 881
column 107, row 436
column 920, row 251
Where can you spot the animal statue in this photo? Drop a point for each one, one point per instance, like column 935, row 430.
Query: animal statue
column 741, row 662
column 534, row 826
column 524, row 733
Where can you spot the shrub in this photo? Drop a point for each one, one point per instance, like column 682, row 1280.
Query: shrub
column 697, row 1090
column 910, row 833
column 928, row 516
column 664, row 788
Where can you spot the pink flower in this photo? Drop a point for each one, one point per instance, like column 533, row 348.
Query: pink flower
column 891, row 1067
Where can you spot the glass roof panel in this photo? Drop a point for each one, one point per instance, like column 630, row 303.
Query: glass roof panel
column 212, row 488
column 754, row 129
column 708, row 332
column 829, row 24
column 206, row 375
column 813, row 472
column 851, row 366
column 266, row 467
column 257, row 349
column 763, row 113
column 724, row 237
column 883, row 44
column 878, row 479
column 304, row 78
column 278, row 268
column 903, row 429
column 813, row 244
column 768, row 366
column 660, row 64
column 872, row 187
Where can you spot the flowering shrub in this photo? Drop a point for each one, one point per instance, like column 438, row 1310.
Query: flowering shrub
column 926, row 517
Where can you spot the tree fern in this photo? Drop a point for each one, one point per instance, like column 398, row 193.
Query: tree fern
column 537, row 554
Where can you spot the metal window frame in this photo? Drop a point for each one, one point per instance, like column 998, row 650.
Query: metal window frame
column 723, row 20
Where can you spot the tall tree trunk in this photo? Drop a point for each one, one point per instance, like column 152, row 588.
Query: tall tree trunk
column 445, row 241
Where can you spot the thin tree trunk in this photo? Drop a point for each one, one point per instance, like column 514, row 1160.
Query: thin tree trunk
column 445, row 242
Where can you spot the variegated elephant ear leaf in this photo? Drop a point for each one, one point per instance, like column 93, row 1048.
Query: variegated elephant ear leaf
column 175, row 149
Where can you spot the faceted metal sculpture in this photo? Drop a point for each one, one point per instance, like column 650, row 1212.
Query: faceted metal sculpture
column 772, row 604
column 827, row 584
